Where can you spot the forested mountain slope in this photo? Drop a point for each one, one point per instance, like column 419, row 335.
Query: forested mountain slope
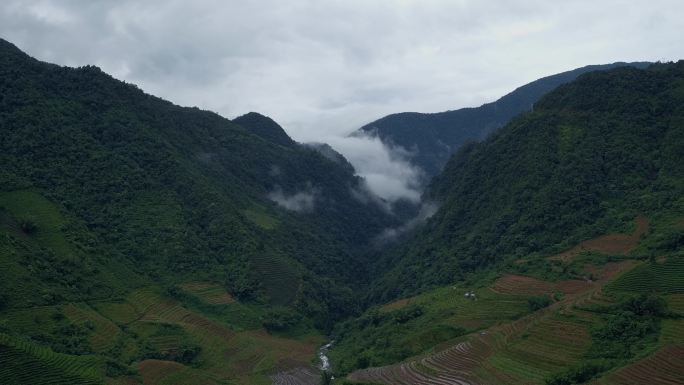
column 124, row 218
column 432, row 138
column 593, row 154
column 556, row 256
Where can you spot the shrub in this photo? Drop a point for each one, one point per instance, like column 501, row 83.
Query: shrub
column 646, row 305
column 27, row 226
column 579, row 374
column 537, row 302
column 280, row 319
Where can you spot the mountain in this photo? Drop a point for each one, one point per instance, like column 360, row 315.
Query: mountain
column 432, row 138
column 556, row 256
column 147, row 243
column 135, row 230
column 264, row 127
column 593, row 155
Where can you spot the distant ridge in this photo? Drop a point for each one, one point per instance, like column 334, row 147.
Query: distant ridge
column 434, row 137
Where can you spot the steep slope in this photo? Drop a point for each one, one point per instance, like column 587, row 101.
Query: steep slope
column 433, row 138
column 557, row 253
column 592, row 156
column 118, row 209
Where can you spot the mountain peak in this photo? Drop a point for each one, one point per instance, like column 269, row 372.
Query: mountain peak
column 264, row 127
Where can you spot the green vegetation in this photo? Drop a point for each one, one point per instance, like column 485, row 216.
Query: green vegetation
column 111, row 200
column 630, row 328
column 665, row 277
column 538, row 302
column 521, row 195
column 554, row 195
column 388, row 334
column 142, row 241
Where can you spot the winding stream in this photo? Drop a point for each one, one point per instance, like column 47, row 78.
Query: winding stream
column 323, row 356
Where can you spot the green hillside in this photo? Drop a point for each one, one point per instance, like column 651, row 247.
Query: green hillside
column 556, row 256
column 115, row 204
column 592, row 156
column 146, row 243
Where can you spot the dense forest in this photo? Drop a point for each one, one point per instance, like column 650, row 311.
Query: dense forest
column 165, row 192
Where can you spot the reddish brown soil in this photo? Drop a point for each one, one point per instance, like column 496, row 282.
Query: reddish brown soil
column 153, row 371
column 216, row 297
column 613, row 244
column 612, row 269
column 518, row 284
column 396, row 305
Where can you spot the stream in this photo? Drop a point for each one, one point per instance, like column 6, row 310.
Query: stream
column 323, row 356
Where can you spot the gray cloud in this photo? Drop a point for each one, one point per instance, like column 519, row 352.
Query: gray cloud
column 387, row 171
column 301, row 201
column 329, row 66
column 427, row 210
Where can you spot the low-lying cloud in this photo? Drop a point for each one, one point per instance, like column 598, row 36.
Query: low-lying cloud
column 427, row 210
column 301, row 201
column 387, row 170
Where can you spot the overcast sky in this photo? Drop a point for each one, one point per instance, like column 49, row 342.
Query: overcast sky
column 324, row 68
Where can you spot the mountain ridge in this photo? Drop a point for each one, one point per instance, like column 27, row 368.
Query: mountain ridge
column 433, row 137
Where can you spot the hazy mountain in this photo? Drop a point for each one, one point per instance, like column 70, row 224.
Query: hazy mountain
column 432, row 138
column 592, row 154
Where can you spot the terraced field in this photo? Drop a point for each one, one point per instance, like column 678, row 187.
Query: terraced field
column 664, row 276
column 280, row 280
column 521, row 285
column 244, row 357
column 210, row 293
column 22, row 363
column 665, row 367
column 159, row 323
column 611, row 244
column 545, row 347
column 525, row 351
column 299, row 376
column 104, row 332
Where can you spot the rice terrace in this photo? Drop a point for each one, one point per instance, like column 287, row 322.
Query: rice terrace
column 433, row 192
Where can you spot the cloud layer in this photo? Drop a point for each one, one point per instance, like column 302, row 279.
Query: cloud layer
column 322, row 67
column 301, row 201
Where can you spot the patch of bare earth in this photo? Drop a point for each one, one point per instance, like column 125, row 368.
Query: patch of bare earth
column 519, row 284
column 153, row 371
column 613, row 244
column 210, row 293
column 396, row 305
